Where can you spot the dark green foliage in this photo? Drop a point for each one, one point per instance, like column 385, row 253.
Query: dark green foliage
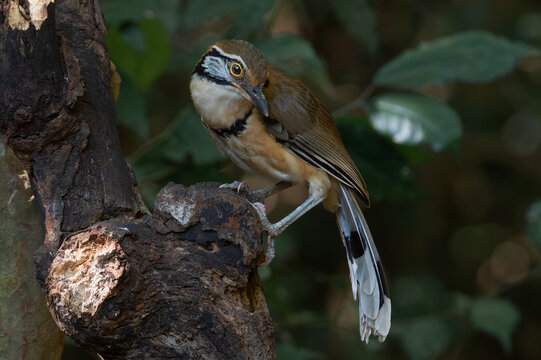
column 131, row 108
column 451, row 161
column 296, row 56
column 425, row 337
column 496, row 317
column 384, row 168
column 533, row 223
column 359, row 19
column 140, row 50
column 472, row 56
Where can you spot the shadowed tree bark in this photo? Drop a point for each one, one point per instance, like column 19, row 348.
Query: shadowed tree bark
column 179, row 283
column 22, row 304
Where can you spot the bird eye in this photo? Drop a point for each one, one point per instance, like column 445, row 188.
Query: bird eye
column 235, row 69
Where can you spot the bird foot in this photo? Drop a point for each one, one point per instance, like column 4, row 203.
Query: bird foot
column 235, row 185
column 260, row 207
column 272, row 231
column 269, row 254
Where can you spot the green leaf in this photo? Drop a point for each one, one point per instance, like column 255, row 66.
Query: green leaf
column 296, row 56
column 133, row 37
column 359, row 20
column 485, row 237
column 202, row 11
column 529, row 26
column 287, row 351
column 184, row 142
column 117, row 12
column 242, row 17
column 249, row 21
column 190, row 137
column 384, row 169
column 419, row 295
column 496, row 317
column 130, row 108
column 424, row 338
column 473, row 56
column 533, row 222
column 409, row 118
column 415, row 155
column 141, row 53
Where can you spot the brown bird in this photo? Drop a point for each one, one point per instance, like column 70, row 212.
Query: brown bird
column 269, row 122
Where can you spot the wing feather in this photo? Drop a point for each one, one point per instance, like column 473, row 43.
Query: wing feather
column 299, row 121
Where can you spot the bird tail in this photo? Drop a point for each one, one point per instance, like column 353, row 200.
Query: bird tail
column 366, row 271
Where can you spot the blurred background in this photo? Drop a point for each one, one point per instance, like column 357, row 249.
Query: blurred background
column 439, row 104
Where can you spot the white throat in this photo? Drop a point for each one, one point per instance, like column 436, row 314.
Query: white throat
column 218, row 105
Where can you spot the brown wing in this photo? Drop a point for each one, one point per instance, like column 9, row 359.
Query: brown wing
column 298, row 120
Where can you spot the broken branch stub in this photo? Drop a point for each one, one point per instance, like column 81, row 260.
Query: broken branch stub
column 182, row 281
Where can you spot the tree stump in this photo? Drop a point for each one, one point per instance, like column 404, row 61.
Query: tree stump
column 181, row 283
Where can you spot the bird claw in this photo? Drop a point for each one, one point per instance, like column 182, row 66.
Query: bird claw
column 235, row 185
column 269, row 254
column 272, row 231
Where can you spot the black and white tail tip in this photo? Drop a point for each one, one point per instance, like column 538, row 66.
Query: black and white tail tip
column 366, row 271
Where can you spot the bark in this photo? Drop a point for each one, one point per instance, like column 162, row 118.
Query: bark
column 22, row 304
column 179, row 283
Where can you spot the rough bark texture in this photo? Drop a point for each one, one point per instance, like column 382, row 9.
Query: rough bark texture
column 179, row 284
column 22, row 304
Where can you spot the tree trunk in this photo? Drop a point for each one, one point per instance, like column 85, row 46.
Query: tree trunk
column 22, row 304
column 179, row 283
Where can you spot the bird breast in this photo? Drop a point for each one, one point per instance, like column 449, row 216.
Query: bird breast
column 250, row 146
column 218, row 105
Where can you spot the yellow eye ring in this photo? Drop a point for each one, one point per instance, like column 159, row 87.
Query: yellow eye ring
column 236, row 69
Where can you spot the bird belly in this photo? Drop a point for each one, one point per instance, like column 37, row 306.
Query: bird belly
column 258, row 152
column 255, row 150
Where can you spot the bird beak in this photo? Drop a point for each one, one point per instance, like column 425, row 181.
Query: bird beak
column 258, row 99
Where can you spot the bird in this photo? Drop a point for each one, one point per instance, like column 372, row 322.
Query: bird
column 269, row 122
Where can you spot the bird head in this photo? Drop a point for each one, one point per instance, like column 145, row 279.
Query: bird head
column 237, row 66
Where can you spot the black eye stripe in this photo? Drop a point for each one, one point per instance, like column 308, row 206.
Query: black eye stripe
column 203, row 72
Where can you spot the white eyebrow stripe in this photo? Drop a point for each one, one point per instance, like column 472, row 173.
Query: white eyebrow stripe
column 232, row 56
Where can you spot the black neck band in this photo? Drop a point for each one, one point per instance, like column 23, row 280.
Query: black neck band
column 236, row 128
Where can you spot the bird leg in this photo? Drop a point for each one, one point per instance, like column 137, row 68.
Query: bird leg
column 273, row 189
column 275, row 229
